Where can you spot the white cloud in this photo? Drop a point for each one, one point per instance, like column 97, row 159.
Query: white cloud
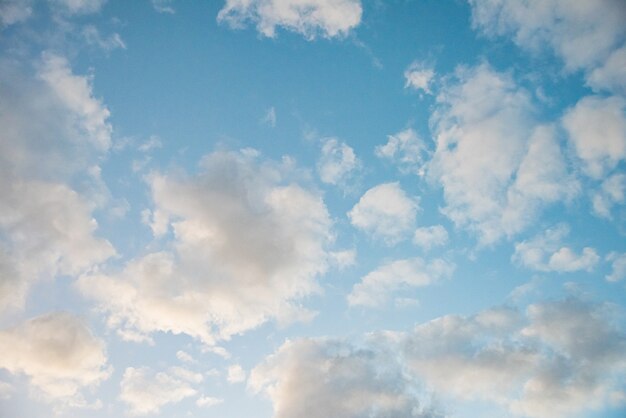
column 385, row 212
column 419, row 77
column 374, row 288
column 15, row 11
column 208, row 401
column 612, row 191
column 405, row 149
column 618, row 266
column 597, row 130
column 343, row 259
column 145, row 390
column 337, row 163
column 320, row 378
column 236, row 374
column 430, row 236
column 545, row 252
column 92, row 37
column 184, row 357
column 561, row 359
column 233, row 265
column 53, row 131
column 491, row 155
column 310, row 18
column 59, row 355
column 163, row 6
column 78, row 7
column 586, row 35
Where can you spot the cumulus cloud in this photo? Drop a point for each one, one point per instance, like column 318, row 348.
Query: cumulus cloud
column 374, row 288
column 430, row 236
column 145, row 390
column 59, row 355
column 310, row 18
column 338, row 163
column 15, row 11
column 248, row 244
column 545, row 252
column 208, row 401
column 405, row 149
column 319, row 378
column 554, row 360
column 386, row 212
column 618, row 266
column 496, row 165
column 586, row 36
column 419, row 77
column 54, row 129
column 597, row 130
column 559, row 359
column 612, row 192
column 236, row 374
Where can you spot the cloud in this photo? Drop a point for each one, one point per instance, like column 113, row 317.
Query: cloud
column 235, row 374
column 430, row 236
column 337, row 164
column 612, row 191
column 597, row 130
column 78, row 7
column 163, row 6
column 15, row 11
column 59, row 355
column 319, row 378
column 419, row 77
column 248, row 243
column 586, row 36
column 497, row 166
column 545, row 252
column 145, row 390
column 555, row 359
column 405, row 149
column 54, row 130
column 208, row 401
column 270, row 117
column 385, row 212
column 310, row 18
column 618, row 266
column 93, row 37
column 374, row 288
column 558, row 360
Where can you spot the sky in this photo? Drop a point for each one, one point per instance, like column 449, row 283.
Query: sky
column 313, row 208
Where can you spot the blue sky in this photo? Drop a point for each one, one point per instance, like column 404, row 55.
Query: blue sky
column 312, row 208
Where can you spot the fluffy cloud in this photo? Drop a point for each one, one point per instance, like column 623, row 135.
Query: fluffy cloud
column 612, row 191
column 597, row 130
column 405, row 149
column 145, row 391
column 59, row 355
column 430, row 236
column 373, row 289
column 236, row 374
column 247, row 244
column 338, row 163
column 328, row 18
column 585, row 35
column 15, row 11
column 419, row 77
column 319, row 378
column 545, row 252
column 560, row 359
column 386, row 212
column 497, row 166
column 618, row 266
column 54, row 129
